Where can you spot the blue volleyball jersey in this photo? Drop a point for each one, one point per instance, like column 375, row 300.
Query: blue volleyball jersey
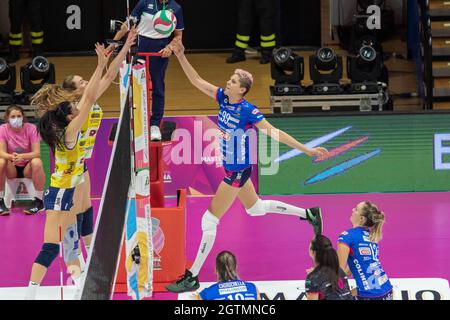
column 234, row 123
column 145, row 10
column 230, row 290
column 363, row 261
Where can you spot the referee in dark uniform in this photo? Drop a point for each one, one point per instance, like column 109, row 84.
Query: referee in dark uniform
column 151, row 40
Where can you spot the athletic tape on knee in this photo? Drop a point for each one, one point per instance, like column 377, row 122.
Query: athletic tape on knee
column 209, row 223
column 258, row 209
column 71, row 243
column 87, row 227
column 48, row 253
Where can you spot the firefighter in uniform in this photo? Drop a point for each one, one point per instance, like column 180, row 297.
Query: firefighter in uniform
column 265, row 10
column 17, row 10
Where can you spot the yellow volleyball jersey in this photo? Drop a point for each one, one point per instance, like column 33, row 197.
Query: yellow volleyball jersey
column 90, row 129
column 69, row 166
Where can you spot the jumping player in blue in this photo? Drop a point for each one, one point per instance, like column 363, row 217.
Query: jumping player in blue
column 236, row 120
column 229, row 286
column 358, row 253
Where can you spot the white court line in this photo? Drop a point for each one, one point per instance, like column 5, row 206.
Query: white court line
column 43, row 293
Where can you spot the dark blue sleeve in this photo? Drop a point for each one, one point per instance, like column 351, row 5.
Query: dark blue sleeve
column 138, row 9
column 255, row 115
column 220, row 96
column 180, row 19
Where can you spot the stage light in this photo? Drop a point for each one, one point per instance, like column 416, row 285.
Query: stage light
column 325, row 68
column 326, row 59
column 365, row 70
column 39, row 68
column 287, row 69
column 367, row 55
column 35, row 74
column 7, row 82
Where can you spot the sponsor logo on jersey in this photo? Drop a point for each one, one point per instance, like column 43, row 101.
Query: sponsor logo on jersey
column 95, row 115
column 255, row 111
column 365, row 251
column 92, row 133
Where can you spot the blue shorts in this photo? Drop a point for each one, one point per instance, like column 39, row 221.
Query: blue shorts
column 237, row 178
column 58, row 199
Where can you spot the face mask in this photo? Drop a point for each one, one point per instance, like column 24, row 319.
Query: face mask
column 16, row 122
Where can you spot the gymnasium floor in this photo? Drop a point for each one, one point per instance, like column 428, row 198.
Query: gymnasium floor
column 416, row 241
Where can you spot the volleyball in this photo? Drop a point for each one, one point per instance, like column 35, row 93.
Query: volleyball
column 164, row 22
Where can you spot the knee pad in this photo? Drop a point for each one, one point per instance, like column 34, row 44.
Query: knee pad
column 71, row 244
column 209, row 223
column 88, row 222
column 48, row 253
column 258, row 209
column 80, row 218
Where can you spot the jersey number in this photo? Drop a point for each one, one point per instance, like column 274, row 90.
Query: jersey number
column 237, row 296
column 224, row 117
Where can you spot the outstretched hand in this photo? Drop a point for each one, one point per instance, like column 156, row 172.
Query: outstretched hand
column 177, row 48
column 102, row 54
column 131, row 39
column 316, row 152
column 165, row 52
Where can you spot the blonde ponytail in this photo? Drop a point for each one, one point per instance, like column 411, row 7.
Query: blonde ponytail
column 375, row 220
column 376, row 233
column 50, row 96
column 226, row 266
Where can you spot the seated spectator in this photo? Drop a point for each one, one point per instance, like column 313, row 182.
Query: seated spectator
column 326, row 280
column 20, row 153
column 228, row 278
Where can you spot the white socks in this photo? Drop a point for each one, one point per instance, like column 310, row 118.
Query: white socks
column 209, row 227
column 262, row 207
column 39, row 194
column 273, row 206
column 32, row 290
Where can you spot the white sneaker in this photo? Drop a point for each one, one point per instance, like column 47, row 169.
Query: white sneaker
column 155, row 133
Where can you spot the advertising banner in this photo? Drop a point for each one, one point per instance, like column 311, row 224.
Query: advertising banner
column 367, row 153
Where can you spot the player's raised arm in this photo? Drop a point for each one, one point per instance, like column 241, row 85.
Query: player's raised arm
column 285, row 138
column 114, row 67
column 204, row 86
